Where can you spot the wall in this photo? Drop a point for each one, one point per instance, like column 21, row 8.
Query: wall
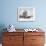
column 8, row 13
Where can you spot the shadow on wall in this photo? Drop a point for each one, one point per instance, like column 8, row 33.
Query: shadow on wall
column 2, row 26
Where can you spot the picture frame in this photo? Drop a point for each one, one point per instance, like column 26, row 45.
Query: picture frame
column 26, row 14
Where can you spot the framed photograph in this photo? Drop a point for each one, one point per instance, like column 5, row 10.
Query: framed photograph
column 26, row 14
